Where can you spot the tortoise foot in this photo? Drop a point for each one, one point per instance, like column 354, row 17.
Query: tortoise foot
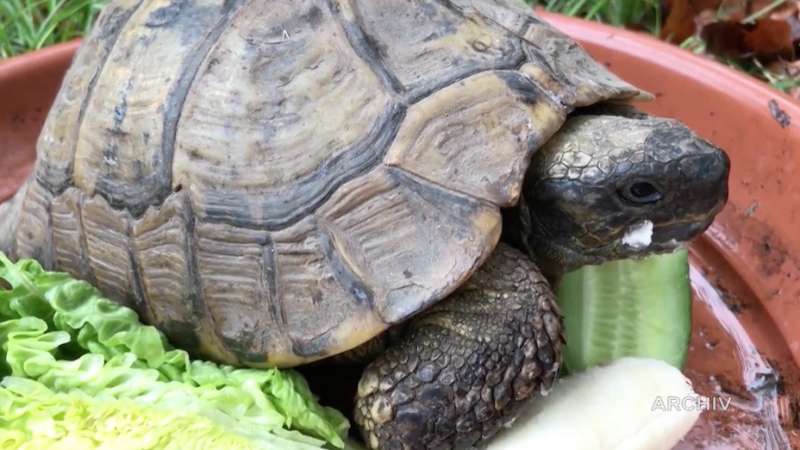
column 463, row 368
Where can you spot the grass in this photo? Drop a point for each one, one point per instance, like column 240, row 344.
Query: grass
column 27, row 25
column 619, row 13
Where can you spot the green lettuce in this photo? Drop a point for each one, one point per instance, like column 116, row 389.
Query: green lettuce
column 81, row 372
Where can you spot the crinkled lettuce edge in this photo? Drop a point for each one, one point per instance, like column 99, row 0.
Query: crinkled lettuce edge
column 64, row 334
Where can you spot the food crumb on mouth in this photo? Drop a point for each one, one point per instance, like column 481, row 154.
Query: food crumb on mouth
column 639, row 235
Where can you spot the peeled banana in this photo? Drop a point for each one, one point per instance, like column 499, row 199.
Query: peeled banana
column 627, row 404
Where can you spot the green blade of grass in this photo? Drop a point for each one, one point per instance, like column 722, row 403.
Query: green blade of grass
column 28, row 25
column 645, row 13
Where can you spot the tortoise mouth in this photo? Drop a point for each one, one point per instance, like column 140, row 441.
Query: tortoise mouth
column 662, row 239
column 678, row 233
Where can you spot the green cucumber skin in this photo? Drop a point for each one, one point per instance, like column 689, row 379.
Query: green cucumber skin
column 640, row 308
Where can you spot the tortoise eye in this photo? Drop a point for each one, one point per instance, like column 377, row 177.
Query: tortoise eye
column 641, row 193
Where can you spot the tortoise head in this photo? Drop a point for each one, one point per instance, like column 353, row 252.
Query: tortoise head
column 616, row 183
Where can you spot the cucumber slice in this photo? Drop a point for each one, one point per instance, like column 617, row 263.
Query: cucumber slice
column 639, row 308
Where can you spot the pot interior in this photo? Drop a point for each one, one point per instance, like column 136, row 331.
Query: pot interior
column 745, row 269
column 28, row 85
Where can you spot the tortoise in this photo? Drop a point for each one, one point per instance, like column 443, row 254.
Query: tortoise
column 274, row 183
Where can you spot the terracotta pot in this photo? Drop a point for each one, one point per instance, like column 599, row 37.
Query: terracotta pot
column 28, row 85
column 745, row 269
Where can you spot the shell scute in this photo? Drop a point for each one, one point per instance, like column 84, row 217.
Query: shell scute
column 273, row 183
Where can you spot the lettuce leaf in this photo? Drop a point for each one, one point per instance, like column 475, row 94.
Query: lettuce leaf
column 80, row 371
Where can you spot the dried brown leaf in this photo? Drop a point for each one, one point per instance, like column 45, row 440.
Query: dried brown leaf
column 765, row 40
column 679, row 24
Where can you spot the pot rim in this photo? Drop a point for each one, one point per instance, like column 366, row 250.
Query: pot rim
column 16, row 65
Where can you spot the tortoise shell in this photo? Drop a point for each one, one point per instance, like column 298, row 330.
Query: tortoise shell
column 274, row 182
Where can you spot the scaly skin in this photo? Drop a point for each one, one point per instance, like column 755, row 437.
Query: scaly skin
column 462, row 369
column 578, row 197
column 465, row 366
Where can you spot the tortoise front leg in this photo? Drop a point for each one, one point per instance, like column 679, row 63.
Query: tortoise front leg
column 463, row 368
